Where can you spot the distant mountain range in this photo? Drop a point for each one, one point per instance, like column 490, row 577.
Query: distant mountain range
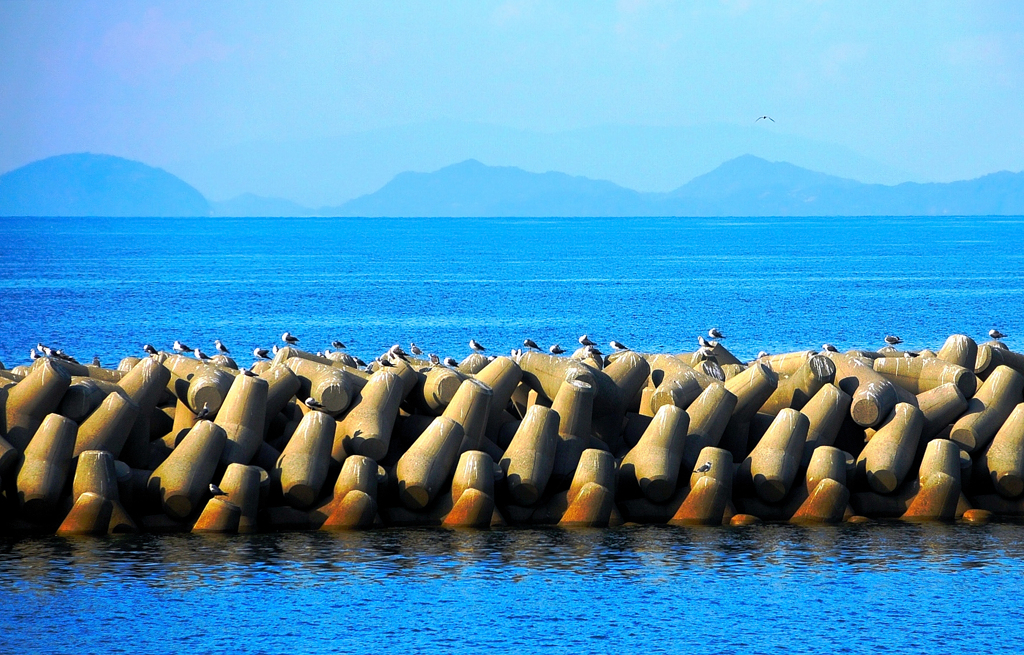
column 102, row 185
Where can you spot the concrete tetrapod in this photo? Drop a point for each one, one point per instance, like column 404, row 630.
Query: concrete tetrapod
column 424, row 468
column 826, row 503
column 208, row 388
column 628, row 372
column 81, row 399
column 787, row 364
column 90, row 515
column 988, row 409
column 242, row 415
column 1004, row 457
column 773, row 463
column 939, row 477
column 827, row 462
column 940, row 406
column 710, row 491
column 241, row 483
column 32, row 399
column 796, row 390
column 546, row 373
column 472, row 491
column 109, row 426
column 325, row 384
column 887, row 458
column 354, row 504
column 144, row 384
column 825, row 413
column 752, row 387
column 219, row 516
column 991, row 357
column 530, row 458
column 435, row 390
column 304, row 463
column 183, row 479
column 366, row 429
column 503, row 376
column 590, row 500
column 470, row 408
column 282, row 384
column 873, row 396
column 959, row 349
column 44, row 468
column 574, row 405
column 653, row 464
column 919, row 374
column 708, row 417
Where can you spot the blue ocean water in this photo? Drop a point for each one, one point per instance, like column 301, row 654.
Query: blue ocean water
column 105, row 286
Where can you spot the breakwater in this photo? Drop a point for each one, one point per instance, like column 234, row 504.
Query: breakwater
column 169, row 443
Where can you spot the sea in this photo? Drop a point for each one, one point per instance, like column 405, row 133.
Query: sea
column 105, row 286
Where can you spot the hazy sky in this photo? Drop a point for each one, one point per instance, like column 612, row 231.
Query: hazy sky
column 935, row 89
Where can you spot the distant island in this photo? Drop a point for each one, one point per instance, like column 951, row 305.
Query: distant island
column 104, row 185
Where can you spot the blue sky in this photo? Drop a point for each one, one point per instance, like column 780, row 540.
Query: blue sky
column 923, row 91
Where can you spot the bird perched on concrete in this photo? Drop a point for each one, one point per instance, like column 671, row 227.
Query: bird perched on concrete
column 337, row 344
column 217, row 491
column 274, row 349
column 996, row 334
column 414, row 349
column 247, row 372
column 200, row 355
column 829, row 348
column 204, row 412
column 556, row 349
column 180, row 347
column 289, row 338
column 892, row 340
column 476, row 346
column 715, row 333
column 434, row 359
column 531, row 344
column 312, row 404
column 96, row 360
column 617, row 346
column 592, row 351
column 704, row 468
column 703, row 343
column 221, row 348
column 585, row 341
column 33, row 354
column 450, row 362
column 360, row 362
column 260, row 353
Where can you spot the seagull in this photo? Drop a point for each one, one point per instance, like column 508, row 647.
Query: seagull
column 337, row 344
column 219, row 345
column 704, row 468
column 200, row 355
column 531, row 344
column 450, row 362
column 827, row 347
column 289, row 338
column 96, row 360
column 148, row 349
column 204, row 412
column 476, row 346
column 414, row 349
column 592, row 351
column 618, row 346
column 312, row 404
column 761, row 354
column 765, row 117
column 248, row 373
column 434, row 359
column 180, row 347
column 703, row 343
column 217, row 491
column 260, row 353
column 274, row 349
column 396, row 351
column 893, row 341
column 556, row 349
column 585, row 341
column 33, row 354
column 360, row 362
column 996, row 334
column 715, row 333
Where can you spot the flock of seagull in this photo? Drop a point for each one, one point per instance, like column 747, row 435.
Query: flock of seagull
column 396, row 351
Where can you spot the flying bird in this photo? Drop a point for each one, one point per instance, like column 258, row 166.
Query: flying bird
column 618, row 346
column 996, row 334
column 893, row 341
column 217, row 491
column 585, row 341
column 260, row 353
column 180, row 347
column 219, row 345
column 476, row 346
column 339, row 345
column 704, row 468
column 289, row 338
column 765, row 117
column 531, row 344
column 715, row 333
column 556, row 349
